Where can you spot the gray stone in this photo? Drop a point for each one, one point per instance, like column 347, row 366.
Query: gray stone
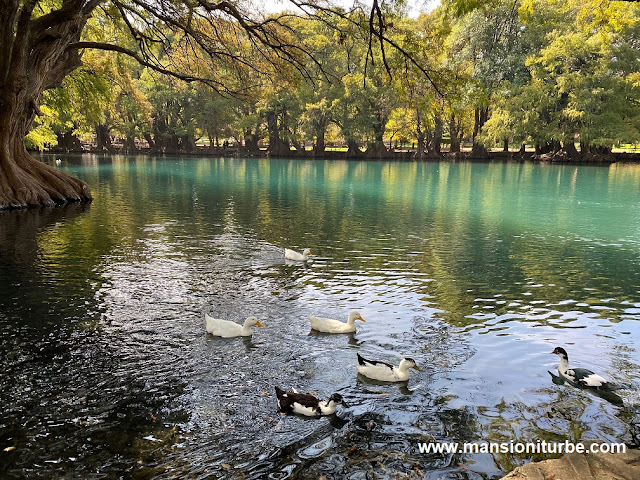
column 576, row 466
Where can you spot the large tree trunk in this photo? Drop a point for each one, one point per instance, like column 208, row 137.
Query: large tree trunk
column 353, row 151
column 34, row 56
column 103, row 138
column 277, row 146
column 481, row 116
column 129, row 145
column 25, row 181
column 454, row 131
column 319, row 145
column 150, row 141
column 438, row 131
column 419, row 153
column 187, row 144
column 68, row 142
column 377, row 149
column 251, row 138
column 569, row 148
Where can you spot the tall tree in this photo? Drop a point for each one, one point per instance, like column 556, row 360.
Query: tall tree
column 487, row 39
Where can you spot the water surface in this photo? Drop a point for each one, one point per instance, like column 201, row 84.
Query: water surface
column 476, row 270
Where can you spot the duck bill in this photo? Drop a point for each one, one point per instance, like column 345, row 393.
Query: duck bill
column 417, row 368
column 345, row 404
column 258, row 324
column 362, row 319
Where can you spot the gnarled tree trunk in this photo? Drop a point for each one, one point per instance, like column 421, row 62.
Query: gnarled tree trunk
column 251, row 138
column 103, row 138
column 34, row 56
column 277, row 146
column 353, row 151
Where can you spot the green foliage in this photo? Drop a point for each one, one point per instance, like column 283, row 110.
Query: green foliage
column 583, row 67
column 545, row 70
column 42, row 135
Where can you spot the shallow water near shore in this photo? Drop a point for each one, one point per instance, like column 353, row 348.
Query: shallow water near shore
column 475, row 270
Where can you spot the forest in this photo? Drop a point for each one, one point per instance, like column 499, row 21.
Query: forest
column 546, row 73
column 560, row 77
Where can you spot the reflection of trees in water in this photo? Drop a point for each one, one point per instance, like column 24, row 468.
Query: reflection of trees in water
column 70, row 403
column 37, row 255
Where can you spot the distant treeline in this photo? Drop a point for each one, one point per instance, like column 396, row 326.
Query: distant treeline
column 561, row 77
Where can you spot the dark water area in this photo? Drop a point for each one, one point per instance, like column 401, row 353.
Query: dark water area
column 475, row 270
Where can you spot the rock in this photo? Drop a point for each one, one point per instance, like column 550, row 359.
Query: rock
column 576, row 466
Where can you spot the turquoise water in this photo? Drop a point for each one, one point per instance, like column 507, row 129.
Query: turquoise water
column 476, row 270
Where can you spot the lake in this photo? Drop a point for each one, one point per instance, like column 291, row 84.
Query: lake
column 475, row 270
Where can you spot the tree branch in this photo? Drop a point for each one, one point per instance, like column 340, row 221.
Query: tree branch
column 142, row 61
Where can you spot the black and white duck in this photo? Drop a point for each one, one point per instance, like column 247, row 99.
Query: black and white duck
column 306, row 404
column 581, row 376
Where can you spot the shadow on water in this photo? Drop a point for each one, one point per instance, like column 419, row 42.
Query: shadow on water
column 373, row 445
column 351, row 337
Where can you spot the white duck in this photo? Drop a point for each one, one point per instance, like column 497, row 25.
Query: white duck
column 581, row 376
column 386, row 372
column 227, row 329
column 329, row 325
column 297, row 256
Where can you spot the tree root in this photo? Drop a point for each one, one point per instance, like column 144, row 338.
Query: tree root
column 27, row 182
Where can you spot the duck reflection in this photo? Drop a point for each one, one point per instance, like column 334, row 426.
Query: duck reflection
column 403, row 387
column 249, row 344
column 351, row 337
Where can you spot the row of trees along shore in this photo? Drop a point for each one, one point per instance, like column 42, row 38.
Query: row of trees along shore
column 560, row 75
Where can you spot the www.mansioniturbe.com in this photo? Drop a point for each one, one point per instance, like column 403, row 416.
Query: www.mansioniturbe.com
column 540, row 446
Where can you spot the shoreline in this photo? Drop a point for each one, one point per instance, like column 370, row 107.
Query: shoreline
column 401, row 155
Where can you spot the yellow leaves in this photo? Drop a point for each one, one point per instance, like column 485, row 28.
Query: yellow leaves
column 526, row 9
column 607, row 16
column 573, row 114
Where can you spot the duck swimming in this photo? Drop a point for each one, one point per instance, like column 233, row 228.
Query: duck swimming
column 329, row 325
column 298, row 257
column 227, row 329
column 580, row 376
column 308, row 405
column 386, row 372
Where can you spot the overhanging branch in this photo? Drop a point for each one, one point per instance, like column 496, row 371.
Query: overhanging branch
column 217, row 86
